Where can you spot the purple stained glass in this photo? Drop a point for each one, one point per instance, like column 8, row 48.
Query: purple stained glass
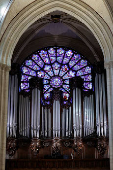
column 45, row 81
column 85, row 90
column 83, row 63
column 24, row 86
column 46, row 95
column 25, row 78
column 46, row 60
column 63, row 70
column 47, row 102
column 62, row 89
column 87, row 85
column 59, row 59
column 66, row 81
column 66, row 87
column 50, row 73
column 51, row 52
column 35, row 57
column 56, row 72
column 50, row 89
column 28, row 62
column 56, row 68
column 81, row 72
column 76, row 67
column 67, row 57
column 65, row 102
column 40, row 63
column 36, row 68
column 47, row 68
column 86, row 70
column 25, row 70
column 87, row 77
column 66, row 76
column 74, row 60
column 38, row 60
column 80, row 64
column 66, row 60
column 46, row 87
column 69, row 53
column 43, row 53
column 40, row 74
column 44, row 56
column 52, row 59
column 32, row 73
column 60, row 52
column 71, row 74
column 46, row 76
column 56, row 82
column 65, row 96
column 27, row 90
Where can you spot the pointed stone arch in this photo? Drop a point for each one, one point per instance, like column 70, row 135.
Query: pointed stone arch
column 36, row 10
column 27, row 17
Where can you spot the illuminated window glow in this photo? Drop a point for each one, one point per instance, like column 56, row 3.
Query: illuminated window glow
column 56, row 66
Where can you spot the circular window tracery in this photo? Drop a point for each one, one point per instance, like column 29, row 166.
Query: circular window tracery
column 56, row 66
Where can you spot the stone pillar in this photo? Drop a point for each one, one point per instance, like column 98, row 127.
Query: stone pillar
column 109, row 79
column 4, row 82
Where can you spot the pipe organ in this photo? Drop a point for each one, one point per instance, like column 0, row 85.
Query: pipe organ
column 80, row 118
column 56, row 98
column 77, row 113
column 28, row 117
column 12, row 106
column 66, row 122
column 35, row 113
column 24, row 115
column 88, row 110
column 101, row 110
column 56, row 118
column 46, row 122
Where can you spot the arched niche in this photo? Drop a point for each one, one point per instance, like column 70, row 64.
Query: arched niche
column 35, row 11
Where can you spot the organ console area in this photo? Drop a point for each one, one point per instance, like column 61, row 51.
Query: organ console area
column 50, row 120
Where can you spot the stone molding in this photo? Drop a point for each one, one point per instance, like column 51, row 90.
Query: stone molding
column 108, row 65
column 37, row 10
column 5, row 67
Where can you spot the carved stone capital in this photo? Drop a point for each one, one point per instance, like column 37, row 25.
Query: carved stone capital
column 5, row 67
column 108, row 65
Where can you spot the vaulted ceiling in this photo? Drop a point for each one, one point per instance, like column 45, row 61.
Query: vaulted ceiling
column 58, row 29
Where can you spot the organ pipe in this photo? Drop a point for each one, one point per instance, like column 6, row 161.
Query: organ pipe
column 49, row 123
column 24, row 115
column 67, row 122
column 35, row 118
column 100, row 96
column 56, row 118
column 77, row 115
column 88, row 112
column 12, row 106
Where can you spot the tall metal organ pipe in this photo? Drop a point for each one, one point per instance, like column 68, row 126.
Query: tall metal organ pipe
column 35, row 113
column 88, row 113
column 24, row 115
column 100, row 96
column 66, row 122
column 77, row 113
column 56, row 118
column 12, row 106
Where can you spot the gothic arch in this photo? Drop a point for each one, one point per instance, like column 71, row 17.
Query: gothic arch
column 35, row 11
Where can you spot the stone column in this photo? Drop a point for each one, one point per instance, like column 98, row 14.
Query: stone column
column 109, row 79
column 4, row 82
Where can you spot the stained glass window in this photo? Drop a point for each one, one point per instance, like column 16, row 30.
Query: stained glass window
column 56, row 66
